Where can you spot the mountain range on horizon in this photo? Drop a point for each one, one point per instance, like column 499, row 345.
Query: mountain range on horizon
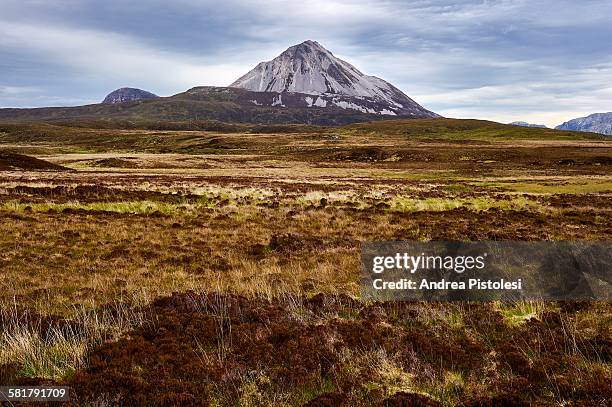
column 305, row 84
column 525, row 124
column 596, row 123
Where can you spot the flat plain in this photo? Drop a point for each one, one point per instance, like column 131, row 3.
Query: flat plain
column 201, row 267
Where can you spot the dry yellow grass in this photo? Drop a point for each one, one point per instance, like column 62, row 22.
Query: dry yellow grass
column 284, row 227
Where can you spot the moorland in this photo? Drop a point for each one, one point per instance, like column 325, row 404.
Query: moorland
column 204, row 263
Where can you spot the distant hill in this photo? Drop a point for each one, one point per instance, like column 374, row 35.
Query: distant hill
column 462, row 129
column 122, row 95
column 217, row 137
column 525, row 124
column 596, row 123
column 210, row 103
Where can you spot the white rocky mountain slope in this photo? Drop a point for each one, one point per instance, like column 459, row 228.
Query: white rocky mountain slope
column 311, row 69
column 596, row 123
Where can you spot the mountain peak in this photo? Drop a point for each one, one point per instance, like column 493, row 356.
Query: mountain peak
column 596, row 123
column 127, row 95
column 308, row 45
column 305, row 68
column 525, row 124
column 310, row 68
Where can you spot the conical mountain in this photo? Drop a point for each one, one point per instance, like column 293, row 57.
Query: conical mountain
column 309, row 68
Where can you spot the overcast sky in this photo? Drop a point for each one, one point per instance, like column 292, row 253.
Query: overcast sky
column 535, row 60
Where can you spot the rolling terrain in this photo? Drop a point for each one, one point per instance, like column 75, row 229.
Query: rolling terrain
column 229, row 255
column 204, row 103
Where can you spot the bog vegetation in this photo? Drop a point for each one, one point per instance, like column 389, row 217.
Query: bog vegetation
column 186, row 265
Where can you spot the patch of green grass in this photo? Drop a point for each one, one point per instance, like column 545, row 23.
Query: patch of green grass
column 583, row 187
column 404, row 204
column 415, row 176
column 517, row 313
column 133, row 207
column 456, row 188
column 309, row 393
column 485, row 184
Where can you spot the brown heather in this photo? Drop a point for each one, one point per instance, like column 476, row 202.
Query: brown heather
column 224, row 271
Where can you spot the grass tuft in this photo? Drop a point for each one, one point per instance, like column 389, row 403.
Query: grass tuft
column 56, row 350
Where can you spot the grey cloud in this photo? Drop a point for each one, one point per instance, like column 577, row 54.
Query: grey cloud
column 503, row 59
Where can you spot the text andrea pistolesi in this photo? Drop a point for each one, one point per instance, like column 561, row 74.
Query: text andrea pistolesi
column 411, row 264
